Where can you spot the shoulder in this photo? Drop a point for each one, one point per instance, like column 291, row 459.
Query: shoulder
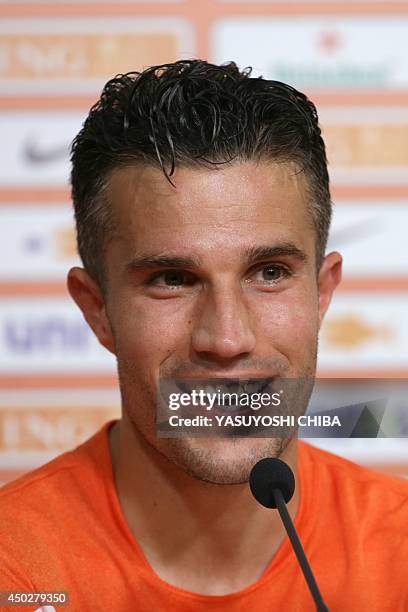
column 49, row 506
column 32, row 505
column 46, row 500
column 363, row 491
column 61, row 476
column 31, row 509
column 42, row 483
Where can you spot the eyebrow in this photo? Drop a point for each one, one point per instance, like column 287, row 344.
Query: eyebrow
column 284, row 249
column 251, row 255
column 144, row 262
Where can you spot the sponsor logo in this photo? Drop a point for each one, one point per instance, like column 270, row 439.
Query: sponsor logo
column 362, row 145
column 319, row 53
column 361, row 230
column 353, row 331
column 51, row 333
column 48, row 334
column 34, row 153
column 38, row 144
column 83, row 55
column 355, row 76
column 52, row 429
column 330, row 42
column 65, row 243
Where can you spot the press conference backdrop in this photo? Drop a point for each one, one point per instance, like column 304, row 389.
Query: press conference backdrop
column 57, row 385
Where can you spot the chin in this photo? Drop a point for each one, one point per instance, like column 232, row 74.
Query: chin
column 223, row 460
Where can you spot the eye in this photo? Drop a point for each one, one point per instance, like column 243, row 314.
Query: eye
column 172, row 278
column 272, row 273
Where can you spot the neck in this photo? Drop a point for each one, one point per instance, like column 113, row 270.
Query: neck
column 191, row 532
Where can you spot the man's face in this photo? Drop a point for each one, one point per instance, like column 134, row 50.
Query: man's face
column 214, row 278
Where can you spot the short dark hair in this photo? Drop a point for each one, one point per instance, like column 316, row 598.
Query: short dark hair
column 191, row 113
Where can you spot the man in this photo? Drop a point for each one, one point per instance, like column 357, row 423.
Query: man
column 202, row 207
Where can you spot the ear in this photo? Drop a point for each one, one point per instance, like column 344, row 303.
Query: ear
column 328, row 279
column 87, row 295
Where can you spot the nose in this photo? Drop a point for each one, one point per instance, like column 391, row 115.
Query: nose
column 223, row 330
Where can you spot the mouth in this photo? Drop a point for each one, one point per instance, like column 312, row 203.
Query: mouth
column 224, row 395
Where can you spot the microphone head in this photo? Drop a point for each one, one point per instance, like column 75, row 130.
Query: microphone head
column 269, row 474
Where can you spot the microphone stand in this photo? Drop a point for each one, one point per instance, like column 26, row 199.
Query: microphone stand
column 297, row 547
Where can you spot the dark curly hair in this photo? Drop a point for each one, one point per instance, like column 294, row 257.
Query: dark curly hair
column 191, row 113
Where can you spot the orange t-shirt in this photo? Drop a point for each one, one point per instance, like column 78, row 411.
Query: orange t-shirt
column 62, row 529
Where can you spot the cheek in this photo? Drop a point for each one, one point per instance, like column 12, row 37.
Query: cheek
column 288, row 321
column 149, row 329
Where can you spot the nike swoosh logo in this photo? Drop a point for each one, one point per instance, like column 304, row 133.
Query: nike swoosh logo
column 35, row 154
column 355, row 232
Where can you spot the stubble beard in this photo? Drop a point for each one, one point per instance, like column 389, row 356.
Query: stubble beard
column 214, row 460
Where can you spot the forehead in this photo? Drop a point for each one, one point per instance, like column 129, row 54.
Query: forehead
column 238, row 202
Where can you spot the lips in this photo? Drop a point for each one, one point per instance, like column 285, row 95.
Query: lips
column 227, row 385
column 226, row 391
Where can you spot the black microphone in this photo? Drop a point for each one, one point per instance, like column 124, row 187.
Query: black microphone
column 272, row 484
